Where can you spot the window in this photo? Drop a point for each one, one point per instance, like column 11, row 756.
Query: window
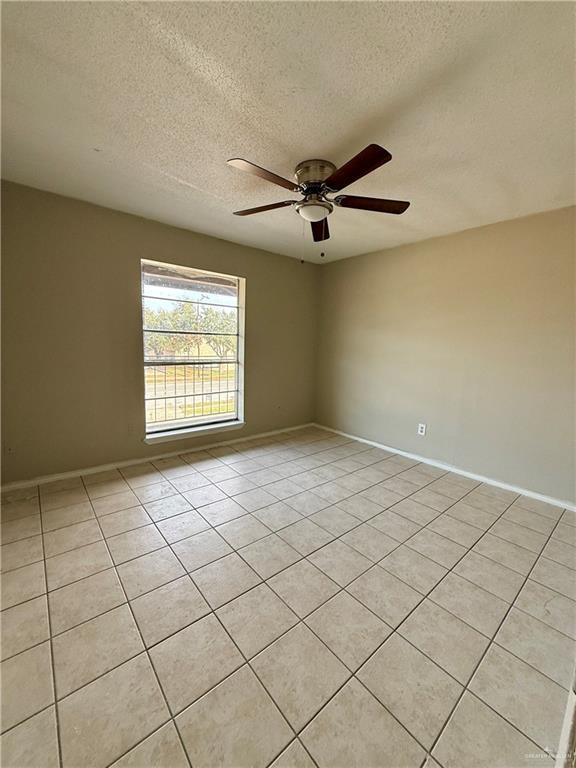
column 193, row 347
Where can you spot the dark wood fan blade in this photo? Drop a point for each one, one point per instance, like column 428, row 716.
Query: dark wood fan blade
column 255, row 170
column 361, row 164
column 320, row 230
column 262, row 208
column 371, row 204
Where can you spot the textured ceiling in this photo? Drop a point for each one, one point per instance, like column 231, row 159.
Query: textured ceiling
column 137, row 106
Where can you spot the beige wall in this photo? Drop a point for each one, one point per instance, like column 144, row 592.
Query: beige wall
column 72, row 351
column 471, row 333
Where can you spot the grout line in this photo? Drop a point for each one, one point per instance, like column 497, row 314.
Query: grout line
column 146, row 650
column 87, row 471
column 141, row 741
column 502, row 538
column 272, row 533
column 455, row 470
column 161, row 689
column 526, row 613
column 72, row 691
column 361, row 522
column 418, row 604
column 21, row 567
column 494, row 641
column 302, row 557
column 466, row 688
column 303, row 517
column 213, row 612
column 302, row 620
column 54, row 689
column 394, row 629
column 29, row 717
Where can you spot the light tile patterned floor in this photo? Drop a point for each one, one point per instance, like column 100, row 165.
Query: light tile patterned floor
column 292, row 601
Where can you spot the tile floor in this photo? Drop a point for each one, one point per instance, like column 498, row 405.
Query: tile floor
column 292, row 601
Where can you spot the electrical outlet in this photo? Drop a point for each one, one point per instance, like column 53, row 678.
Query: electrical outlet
column 421, row 429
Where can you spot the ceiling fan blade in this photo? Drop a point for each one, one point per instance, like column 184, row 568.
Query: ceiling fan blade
column 262, row 208
column 372, row 157
column 320, row 230
column 255, row 170
column 371, row 204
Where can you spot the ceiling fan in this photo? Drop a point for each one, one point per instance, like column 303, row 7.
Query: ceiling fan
column 315, row 179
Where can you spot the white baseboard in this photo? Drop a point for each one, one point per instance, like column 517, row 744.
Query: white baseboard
column 441, row 465
column 457, row 470
column 565, row 754
column 129, row 462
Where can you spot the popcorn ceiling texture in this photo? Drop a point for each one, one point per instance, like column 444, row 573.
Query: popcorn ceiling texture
column 136, row 106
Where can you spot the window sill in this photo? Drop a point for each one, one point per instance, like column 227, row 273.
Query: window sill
column 184, row 434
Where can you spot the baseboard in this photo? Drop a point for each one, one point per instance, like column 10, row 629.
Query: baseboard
column 129, row 462
column 457, row 470
column 565, row 753
column 441, row 465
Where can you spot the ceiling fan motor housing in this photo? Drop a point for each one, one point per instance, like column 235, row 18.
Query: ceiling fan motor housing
column 315, row 179
column 310, row 176
column 313, row 171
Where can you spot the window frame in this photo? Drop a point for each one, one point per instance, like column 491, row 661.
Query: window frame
column 175, row 431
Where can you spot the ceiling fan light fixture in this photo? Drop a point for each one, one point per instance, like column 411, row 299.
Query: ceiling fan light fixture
column 314, row 210
column 315, row 179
